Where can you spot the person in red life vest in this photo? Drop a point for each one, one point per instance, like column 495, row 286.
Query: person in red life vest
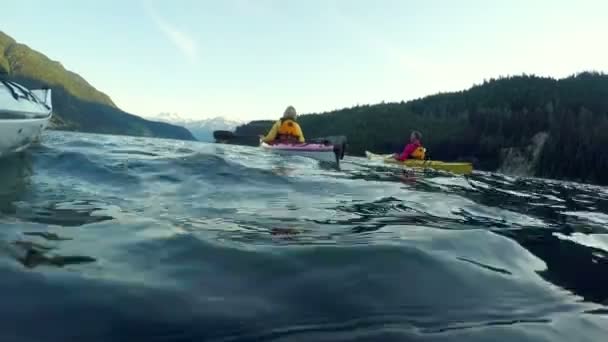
column 413, row 150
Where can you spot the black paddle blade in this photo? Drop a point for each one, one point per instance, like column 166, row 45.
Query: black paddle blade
column 223, row 135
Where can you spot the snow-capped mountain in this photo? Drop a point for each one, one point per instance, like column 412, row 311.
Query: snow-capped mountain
column 202, row 129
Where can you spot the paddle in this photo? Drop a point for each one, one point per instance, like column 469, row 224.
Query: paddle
column 339, row 142
column 231, row 138
column 223, row 135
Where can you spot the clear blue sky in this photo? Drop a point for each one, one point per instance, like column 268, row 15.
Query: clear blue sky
column 249, row 59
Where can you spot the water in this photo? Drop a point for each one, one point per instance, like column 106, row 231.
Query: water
column 130, row 239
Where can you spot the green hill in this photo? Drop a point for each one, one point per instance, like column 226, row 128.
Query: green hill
column 77, row 105
column 524, row 125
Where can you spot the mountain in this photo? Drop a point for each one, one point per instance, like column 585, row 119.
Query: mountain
column 77, row 104
column 524, row 125
column 202, row 129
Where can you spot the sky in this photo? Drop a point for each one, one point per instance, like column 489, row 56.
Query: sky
column 249, row 59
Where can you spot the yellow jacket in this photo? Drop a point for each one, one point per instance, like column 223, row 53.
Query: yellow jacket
column 286, row 127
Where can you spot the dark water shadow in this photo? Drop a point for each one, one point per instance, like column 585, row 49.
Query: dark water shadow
column 67, row 214
column 580, row 269
column 34, row 254
column 15, row 173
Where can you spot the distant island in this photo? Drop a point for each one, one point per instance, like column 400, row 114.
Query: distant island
column 522, row 125
column 78, row 106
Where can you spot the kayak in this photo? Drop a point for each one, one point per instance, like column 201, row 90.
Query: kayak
column 461, row 168
column 322, row 152
column 316, row 148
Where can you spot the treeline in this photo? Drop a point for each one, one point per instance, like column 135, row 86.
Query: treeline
column 479, row 124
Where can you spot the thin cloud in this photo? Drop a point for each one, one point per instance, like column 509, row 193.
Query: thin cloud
column 181, row 40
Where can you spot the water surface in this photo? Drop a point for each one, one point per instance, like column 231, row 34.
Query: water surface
column 107, row 238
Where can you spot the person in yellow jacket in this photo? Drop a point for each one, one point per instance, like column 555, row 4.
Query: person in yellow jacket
column 285, row 130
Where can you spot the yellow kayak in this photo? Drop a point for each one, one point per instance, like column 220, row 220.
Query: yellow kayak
column 460, row 168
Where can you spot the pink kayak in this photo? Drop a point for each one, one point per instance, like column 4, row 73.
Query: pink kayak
column 315, row 151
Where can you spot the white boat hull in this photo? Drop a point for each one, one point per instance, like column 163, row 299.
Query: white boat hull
column 17, row 135
column 24, row 114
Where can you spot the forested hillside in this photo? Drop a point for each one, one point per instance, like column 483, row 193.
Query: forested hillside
column 486, row 122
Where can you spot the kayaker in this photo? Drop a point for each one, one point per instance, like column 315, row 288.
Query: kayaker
column 413, row 150
column 285, row 130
